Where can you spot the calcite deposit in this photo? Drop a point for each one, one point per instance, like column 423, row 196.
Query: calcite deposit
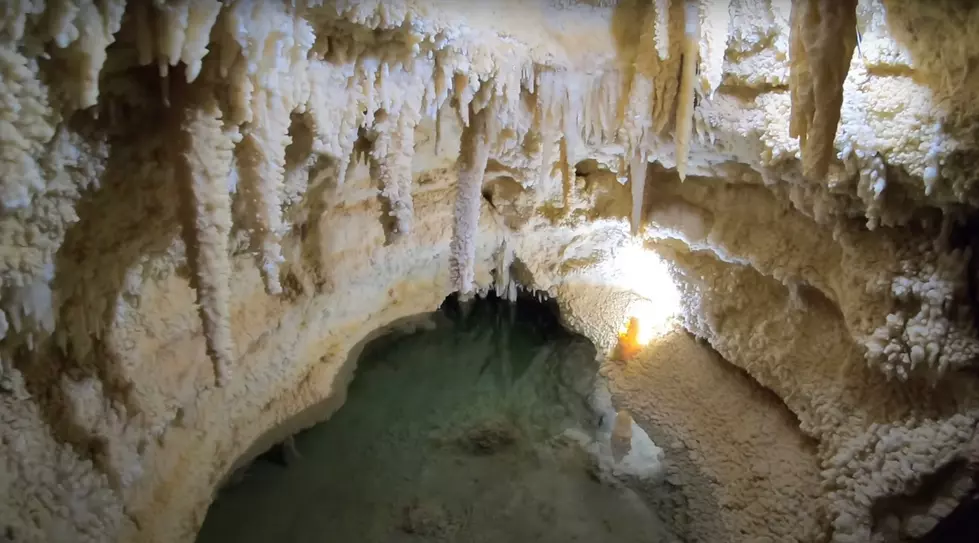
column 206, row 207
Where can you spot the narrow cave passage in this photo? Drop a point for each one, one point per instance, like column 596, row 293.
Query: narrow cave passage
column 482, row 425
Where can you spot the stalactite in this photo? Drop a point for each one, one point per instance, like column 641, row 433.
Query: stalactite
column 391, row 157
column 82, row 32
column 715, row 18
column 609, row 96
column 260, row 45
column 544, row 119
column 142, row 14
column 473, row 156
column 570, row 137
column 171, row 24
column 637, row 180
column 567, row 172
column 688, row 74
column 506, row 89
column 662, row 28
column 335, row 114
column 636, row 111
column 589, row 109
column 571, row 130
column 506, row 288
column 438, row 132
column 800, row 76
column 464, row 94
column 441, row 80
column 823, row 38
column 547, row 160
column 662, row 71
column 203, row 166
column 369, row 70
column 346, row 141
column 200, row 19
column 261, row 158
column 831, row 56
column 600, row 120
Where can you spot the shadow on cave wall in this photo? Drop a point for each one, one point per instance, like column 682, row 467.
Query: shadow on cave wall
column 961, row 525
column 128, row 217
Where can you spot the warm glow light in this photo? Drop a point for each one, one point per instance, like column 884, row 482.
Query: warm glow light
column 645, row 274
column 651, row 322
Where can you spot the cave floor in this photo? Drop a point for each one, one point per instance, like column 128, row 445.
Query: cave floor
column 453, row 433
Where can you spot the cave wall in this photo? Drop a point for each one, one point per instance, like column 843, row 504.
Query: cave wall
column 206, row 208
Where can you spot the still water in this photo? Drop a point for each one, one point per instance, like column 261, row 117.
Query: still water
column 452, row 432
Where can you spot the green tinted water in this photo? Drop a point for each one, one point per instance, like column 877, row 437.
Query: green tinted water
column 448, row 434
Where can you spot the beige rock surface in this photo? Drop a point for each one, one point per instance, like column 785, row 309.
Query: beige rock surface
column 206, row 207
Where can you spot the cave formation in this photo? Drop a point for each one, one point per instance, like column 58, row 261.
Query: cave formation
column 206, row 207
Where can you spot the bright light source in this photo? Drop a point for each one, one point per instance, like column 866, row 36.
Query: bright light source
column 645, row 273
column 652, row 321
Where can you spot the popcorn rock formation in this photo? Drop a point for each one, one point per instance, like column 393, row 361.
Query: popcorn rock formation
column 205, row 206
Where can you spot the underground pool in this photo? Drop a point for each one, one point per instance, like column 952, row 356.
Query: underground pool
column 482, row 422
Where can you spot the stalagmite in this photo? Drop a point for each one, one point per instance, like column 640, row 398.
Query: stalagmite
column 823, row 37
column 473, row 156
column 203, row 168
column 688, row 75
